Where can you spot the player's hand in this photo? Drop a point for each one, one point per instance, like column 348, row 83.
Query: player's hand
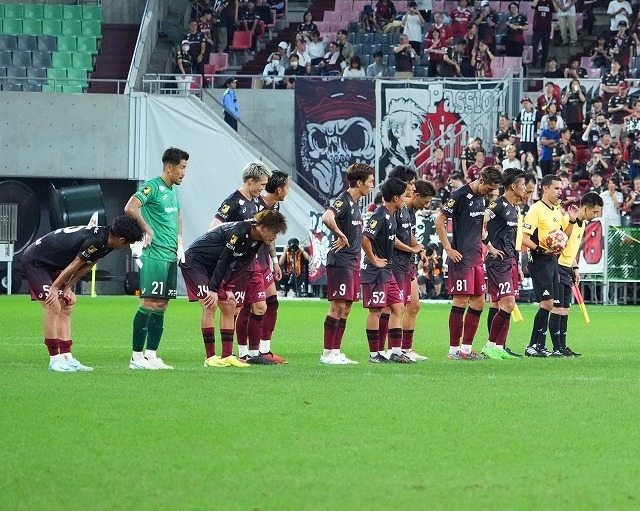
column 277, row 271
column 416, row 249
column 380, row 263
column 211, row 300
column 340, row 243
column 136, row 252
column 520, row 274
column 148, row 238
column 576, row 276
column 497, row 254
column 69, row 297
column 423, row 257
column 231, row 297
column 572, row 210
column 52, row 297
column 453, row 254
column 180, row 251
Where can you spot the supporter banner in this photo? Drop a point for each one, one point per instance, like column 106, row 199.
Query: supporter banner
column 334, row 128
column 411, row 115
column 319, row 238
column 591, row 256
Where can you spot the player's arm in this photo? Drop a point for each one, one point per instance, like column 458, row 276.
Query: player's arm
column 134, row 210
column 329, row 219
column 368, row 250
column 277, row 271
column 63, row 278
column 441, row 229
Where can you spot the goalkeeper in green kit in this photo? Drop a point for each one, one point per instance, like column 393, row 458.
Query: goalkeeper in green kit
column 155, row 205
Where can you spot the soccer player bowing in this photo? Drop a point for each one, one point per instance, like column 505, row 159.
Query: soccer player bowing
column 54, row 263
column 543, row 217
column 465, row 279
column 212, row 261
column 344, row 221
column 502, row 263
column 379, row 286
column 590, row 208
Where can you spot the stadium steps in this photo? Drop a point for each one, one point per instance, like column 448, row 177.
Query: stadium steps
column 118, row 45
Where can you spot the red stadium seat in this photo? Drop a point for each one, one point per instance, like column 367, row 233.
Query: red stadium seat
column 241, row 40
column 220, row 61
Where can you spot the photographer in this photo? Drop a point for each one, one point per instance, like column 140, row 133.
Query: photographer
column 430, row 273
column 293, row 261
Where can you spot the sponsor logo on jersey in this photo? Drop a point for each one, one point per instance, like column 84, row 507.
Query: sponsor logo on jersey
column 493, row 204
column 451, row 203
column 373, row 224
column 146, row 190
column 91, row 249
column 338, row 203
column 162, row 188
column 233, row 240
column 225, row 209
column 526, row 226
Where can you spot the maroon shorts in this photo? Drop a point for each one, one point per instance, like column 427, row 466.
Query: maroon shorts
column 407, row 289
column 466, row 281
column 502, row 277
column 403, row 279
column 343, row 284
column 40, row 279
column 256, row 290
column 196, row 281
column 379, row 296
column 267, row 277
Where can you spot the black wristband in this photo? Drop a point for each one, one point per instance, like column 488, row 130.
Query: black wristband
column 573, row 221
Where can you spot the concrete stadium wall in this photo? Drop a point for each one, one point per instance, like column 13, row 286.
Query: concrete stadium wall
column 64, row 135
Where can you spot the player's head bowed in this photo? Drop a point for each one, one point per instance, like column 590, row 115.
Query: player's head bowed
column 272, row 221
column 127, row 229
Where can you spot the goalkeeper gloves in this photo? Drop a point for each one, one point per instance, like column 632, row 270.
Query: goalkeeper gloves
column 180, row 251
column 136, row 252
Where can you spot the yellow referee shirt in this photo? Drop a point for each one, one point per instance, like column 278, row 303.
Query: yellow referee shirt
column 570, row 252
column 541, row 219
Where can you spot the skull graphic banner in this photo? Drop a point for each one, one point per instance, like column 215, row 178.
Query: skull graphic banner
column 335, row 127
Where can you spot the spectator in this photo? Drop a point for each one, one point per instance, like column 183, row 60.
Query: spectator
column 276, row 5
column 452, row 60
column 635, row 29
column 619, row 108
column 293, row 261
column 412, row 22
column 205, row 25
column 273, row 72
column 562, row 148
column 530, row 166
column 595, row 184
column 572, row 194
column 613, row 201
column 346, row 48
column 437, row 167
column 468, row 154
column 552, row 70
column 378, row 69
column 333, row 62
column 528, row 123
column 516, row 25
column 355, row 69
column 460, row 18
column 405, row 58
column 197, row 47
column 500, row 149
column 574, row 70
column 470, row 44
column 425, row 7
column 596, row 109
column 385, row 12
column 456, row 180
column 473, row 172
column 542, row 13
column 481, row 59
column 548, row 139
column 228, row 20
column 610, row 155
column 595, row 130
column 307, row 27
column 621, row 45
column 316, row 48
column 632, row 127
column 434, row 49
column 295, row 69
column 619, row 10
column 599, row 55
column 632, row 204
column 487, row 22
column 282, row 52
column 551, row 93
column 573, row 100
column 185, row 67
column 442, row 193
column 551, row 110
column 377, row 201
column 304, row 60
column 251, row 22
column 504, row 127
column 430, row 274
column 567, row 21
column 511, row 161
column 610, row 83
column 368, row 20
column 445, row 31
column 230, row 104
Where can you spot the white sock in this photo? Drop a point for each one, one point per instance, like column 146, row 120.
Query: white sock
column 491, row 344
column 326, row 353
column 137, row 355
column 397, row 351
column 500, row 346
column 373, row 353
column 335, row 351
column 150, row 354
column 254, row 353
column 265, row 346
column 466, row 349
column 53, row 358
column 243, row 350
column 453, row 350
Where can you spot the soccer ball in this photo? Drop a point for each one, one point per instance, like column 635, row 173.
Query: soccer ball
column 557, row 240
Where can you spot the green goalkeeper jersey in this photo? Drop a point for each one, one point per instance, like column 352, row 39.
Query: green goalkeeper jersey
column 160, row 209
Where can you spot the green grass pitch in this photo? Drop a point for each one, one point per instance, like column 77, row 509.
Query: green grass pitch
column 525, row 434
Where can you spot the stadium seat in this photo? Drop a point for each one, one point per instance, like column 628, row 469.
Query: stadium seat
column 82, row 61
column 16, row 74
column 12, row 26
column 586, row 63
column 594, row 72
column 53, row 12
column 372, row 48
column 513, row 62
column 33, row 11
column 499, row 72
column 72, row 89
column 32, row 27
column 41, row 58
column 27, row 42
column 47, row 43
column 365, row 60
column 56, row 74
column 351, row 37
column 32, row 87
column 8, row 42
column 14, row 11
column 87, row 44
column 1, row 10
column 241, row 40
column 358, row 48
column 365, row 38
column 67, row 43
column 51, row 27
column 36, row 75
column 62, row 60
column 91, row 27
column 3, row 72
column 5, row 59
column 71, row 27
column 92, row 12
column 344, row 6
column 421, row 71
column 220, row 60
column 382, row 38
column 332, row 17
column 209, row 69
column 21, row 58
column 12, row 87
column 72, row 12
column 353, row 27
column 51, row 88
column 350, row 16
column 78, row 77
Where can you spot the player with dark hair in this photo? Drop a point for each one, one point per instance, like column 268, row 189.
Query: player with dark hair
column 344, row 220
column 156, row 208
column 212, row 261
column 466, row 283
column 590, row 208
column 502, row 264
column 379, row 286
column 54, row 263
column 542, row 218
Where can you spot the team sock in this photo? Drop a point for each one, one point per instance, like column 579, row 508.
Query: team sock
column 395, row 340
column 373, row 336
column 471, row 322
column 555, row 330
column 330, row 332
column 540, row 324
column 242, row 326
column 456, row 320
column 337, row 342
column 209, row 339
column 383, row 329
column 270, row 318
column 226, row 335
column 490, row 316
column 154, row 330
column 500, row 328
column 52, row 346
column 65, row 346
column 255, row 331
column 407, row 339
column 564, row 322
column 140, row 328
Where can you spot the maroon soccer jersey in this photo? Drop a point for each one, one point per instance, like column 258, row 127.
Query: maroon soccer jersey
column 466, row 209
column 381, row 230
column 349, row 221
column 433, row 169
column 264, row 254
column 572, row 194
column 460, row 18
column 542, row 15
column 402, row 260
column 502, row 226
column 516, row 36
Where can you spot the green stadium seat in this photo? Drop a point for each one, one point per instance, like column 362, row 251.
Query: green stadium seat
column 33, row 11
column 14, row 11
column 78, row 74
column 11, row 26
column 1, row 21
column 92, row 12
column 72, row 12
column 51, row 88
column 87, row 44
column 72, row 89
column 62, row 60
column 58, row 74
column 71, row 27
column 53, row 12
column 32, row 27
column 90, row 27
column 83, row 61
column 51, row 27
column 67, row 43
column 1, row 10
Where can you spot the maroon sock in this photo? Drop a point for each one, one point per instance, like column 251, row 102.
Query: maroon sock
column 504, row 331
column 395, row 337
column 65, row 346
column 209, row 338
column 330, row 331
column 471, row 322
column 407, row 339
column 227, row 342
column 373, row 336
column 383, row 328
column 242, row 325
column 456, row 319
column 52, row 346
column 337, row 342
column 270, row 318
column 255, row 331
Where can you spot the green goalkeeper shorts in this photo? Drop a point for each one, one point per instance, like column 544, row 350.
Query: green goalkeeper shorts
column 158, row 278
